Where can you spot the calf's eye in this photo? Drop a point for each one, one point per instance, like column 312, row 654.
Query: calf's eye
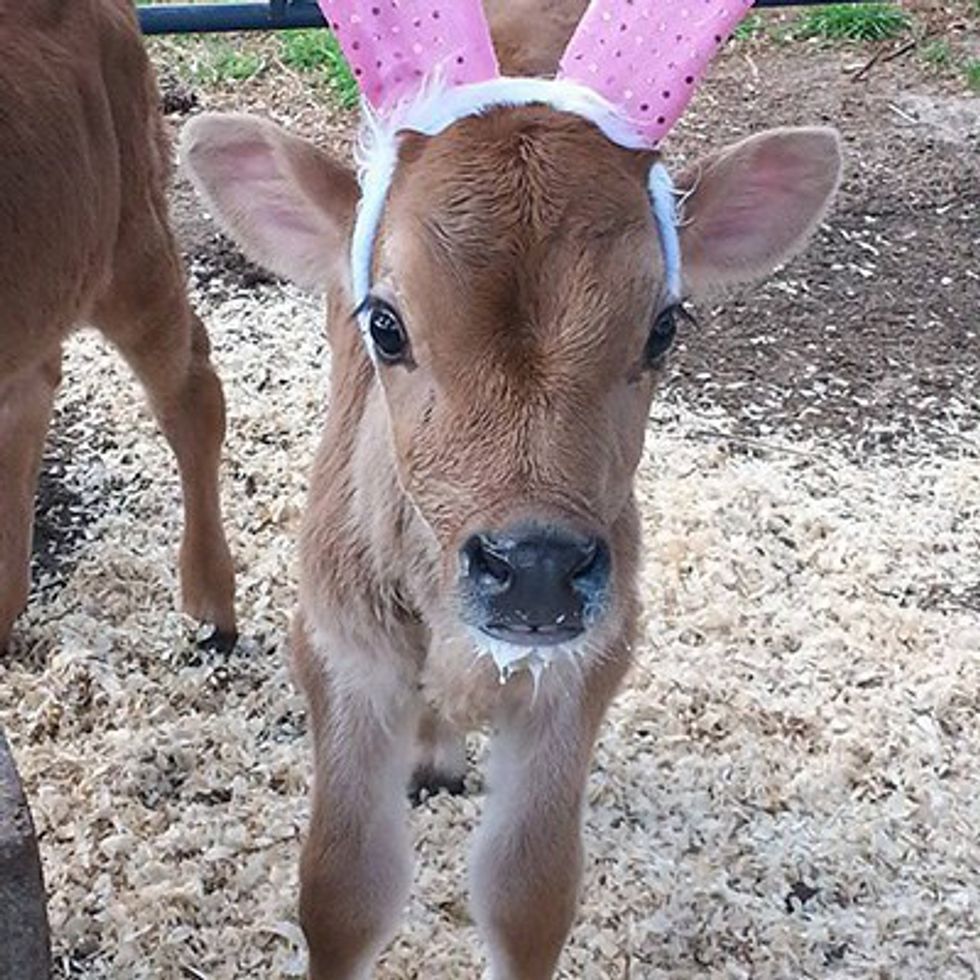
column 387, row 333
column 661, row 335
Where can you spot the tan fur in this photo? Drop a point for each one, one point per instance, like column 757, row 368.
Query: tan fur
column 520, row 250
column 84, row 237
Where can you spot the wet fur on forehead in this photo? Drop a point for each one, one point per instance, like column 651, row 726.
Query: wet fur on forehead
column 524, row 214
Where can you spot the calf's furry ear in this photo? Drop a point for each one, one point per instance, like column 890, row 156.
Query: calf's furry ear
column 753, row 205
column 288, row 204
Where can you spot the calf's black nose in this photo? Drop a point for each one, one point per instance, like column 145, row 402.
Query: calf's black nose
column 534, row 586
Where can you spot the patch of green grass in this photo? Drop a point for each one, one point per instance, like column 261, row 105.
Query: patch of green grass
column 317, row 51
column 854, row 22
column 207, row 59
column 225, row 64
column 751, row 27
column 972, row 71
column 942, row 55
column 308, row 50
column 938, row 53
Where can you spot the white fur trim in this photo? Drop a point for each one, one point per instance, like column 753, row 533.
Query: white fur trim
column 663, row 198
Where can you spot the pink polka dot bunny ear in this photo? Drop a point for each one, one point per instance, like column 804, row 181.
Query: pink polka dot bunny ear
column 646, row 57
column 395, row 46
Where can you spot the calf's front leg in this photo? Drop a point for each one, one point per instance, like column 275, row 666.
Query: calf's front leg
column 355, row 869
column 526, row 865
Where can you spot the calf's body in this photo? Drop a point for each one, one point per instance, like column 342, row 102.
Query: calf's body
column 469, row 552
column 382, row 655
column 85, row 238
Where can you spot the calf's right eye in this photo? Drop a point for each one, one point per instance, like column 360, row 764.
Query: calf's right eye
column 387, row 334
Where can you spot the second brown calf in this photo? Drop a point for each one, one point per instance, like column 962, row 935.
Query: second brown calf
column 85, row 238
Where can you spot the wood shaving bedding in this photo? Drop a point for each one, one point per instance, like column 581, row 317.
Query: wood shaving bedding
column 786, row 788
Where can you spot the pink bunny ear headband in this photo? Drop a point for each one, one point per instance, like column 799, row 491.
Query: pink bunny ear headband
column 631, row 69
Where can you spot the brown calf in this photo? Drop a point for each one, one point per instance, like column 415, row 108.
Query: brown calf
column 472, row 499
column 84, row 237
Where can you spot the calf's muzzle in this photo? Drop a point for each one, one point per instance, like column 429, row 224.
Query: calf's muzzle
column 534, row 585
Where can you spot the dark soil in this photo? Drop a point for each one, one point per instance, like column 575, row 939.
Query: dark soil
column 216, row 265
column 872, row 335
column 63, row 516
column 60, row 523
column 176, row 97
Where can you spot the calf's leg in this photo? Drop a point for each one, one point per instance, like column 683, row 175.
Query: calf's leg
column 526, row 865
column 146, row 314
column 25, row 411
column 355, row 869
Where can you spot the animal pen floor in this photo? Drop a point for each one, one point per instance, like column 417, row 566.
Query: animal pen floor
column 788, row 785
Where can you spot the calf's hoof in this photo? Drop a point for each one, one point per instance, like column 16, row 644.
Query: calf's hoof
column 427, row 781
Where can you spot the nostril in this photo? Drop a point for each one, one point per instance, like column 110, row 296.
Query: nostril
column 586, row 558
column 592, row 569
column 485, row 567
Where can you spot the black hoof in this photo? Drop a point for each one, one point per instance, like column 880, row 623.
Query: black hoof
column 428, row 782
column 219, row 642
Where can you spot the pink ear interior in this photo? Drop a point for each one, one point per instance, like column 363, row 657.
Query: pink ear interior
column 252, row 182
column 648, row 57
column 271, row 192
column 248, row 160
column 751, row 207
column 394, row 45
column 765, row 191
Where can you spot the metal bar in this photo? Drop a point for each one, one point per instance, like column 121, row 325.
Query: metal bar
column 207, row 18
column 204, row 18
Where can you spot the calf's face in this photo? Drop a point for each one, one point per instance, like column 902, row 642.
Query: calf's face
column 518, row 318
column 518, row 282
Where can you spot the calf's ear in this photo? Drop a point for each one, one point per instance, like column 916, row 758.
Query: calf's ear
column 751, row 206
column 286, row 203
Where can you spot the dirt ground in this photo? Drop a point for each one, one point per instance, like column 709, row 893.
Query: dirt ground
column 786, row 788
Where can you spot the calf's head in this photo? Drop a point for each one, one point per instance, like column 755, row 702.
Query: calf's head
column 517, row 318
